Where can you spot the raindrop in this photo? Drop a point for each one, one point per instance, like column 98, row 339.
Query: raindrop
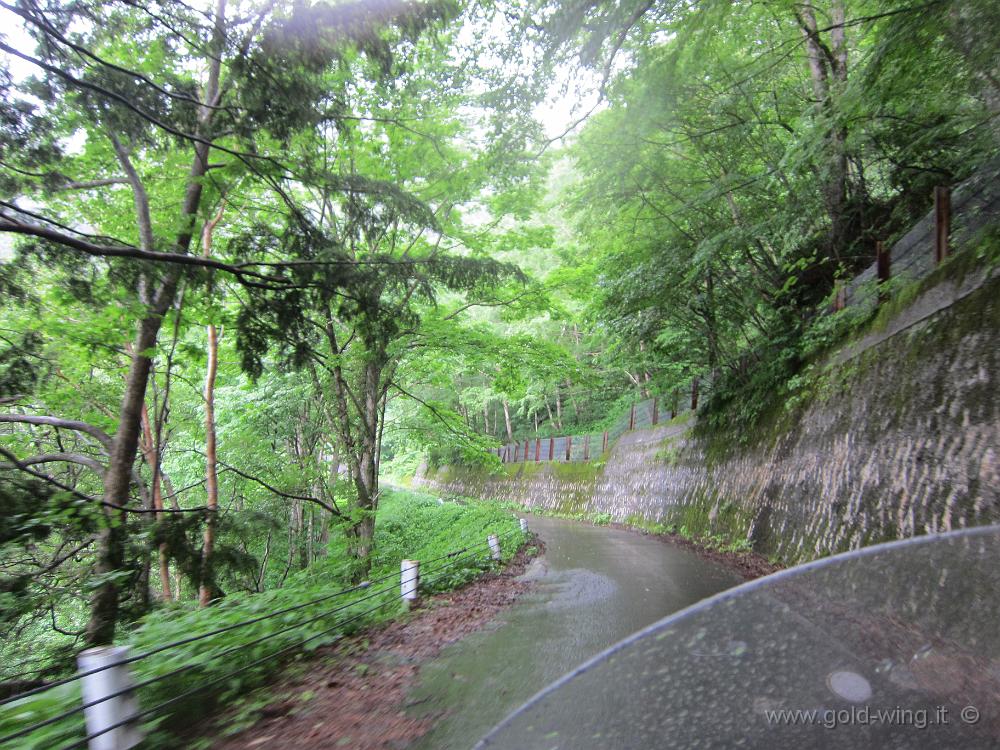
column 850, row 686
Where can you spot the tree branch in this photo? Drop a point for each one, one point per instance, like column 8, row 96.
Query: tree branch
column 68, row 424
column 139, row 196
column 46, row 458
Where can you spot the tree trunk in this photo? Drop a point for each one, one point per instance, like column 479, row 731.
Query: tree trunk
column 506, row 417
column 572, row 399
column 828, row 71
column 100, row 629
column 153, row 461
column 208, row 590
column 366, row 478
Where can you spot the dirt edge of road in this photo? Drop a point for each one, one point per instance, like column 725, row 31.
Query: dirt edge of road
column 354, row 694
column 748, row 564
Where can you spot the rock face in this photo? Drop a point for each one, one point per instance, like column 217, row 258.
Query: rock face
column 895, row 435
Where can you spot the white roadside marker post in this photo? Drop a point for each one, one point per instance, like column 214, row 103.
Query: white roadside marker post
column 494, row 546
column 524, row 525
column 409, row 580
column 112, row 711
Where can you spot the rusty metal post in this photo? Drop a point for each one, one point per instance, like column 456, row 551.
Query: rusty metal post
column 538, row 450
column 631, row 418
column 552, row 449
column 883, row 266
column 656, row 411
column 586, row 447
column 525, row 450
column 694, row 395
column 942, row 222
column 604, row 443
column 569, row 447
column 515, row 453
column 883, row 260
column 673, row 404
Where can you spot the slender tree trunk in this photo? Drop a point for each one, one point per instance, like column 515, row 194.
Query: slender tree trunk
column 710, row 322
column 572, row 399
column 506, row 417
column 302, row 528
column 828, row 71
column 117, row 480
column 111, row 539
column 153, row 461
column 366, row 480
column 208, row 590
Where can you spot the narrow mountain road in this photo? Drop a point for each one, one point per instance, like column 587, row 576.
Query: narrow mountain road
column 593, row 587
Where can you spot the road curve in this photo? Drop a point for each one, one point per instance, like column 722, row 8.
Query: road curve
column 594, row 586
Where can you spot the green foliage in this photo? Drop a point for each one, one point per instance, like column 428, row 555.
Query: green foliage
column 600, row 519
column 411, row 526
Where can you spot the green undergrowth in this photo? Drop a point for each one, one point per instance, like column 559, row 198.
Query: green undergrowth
column 410, row 525
column 721, row 541
column 798, row 366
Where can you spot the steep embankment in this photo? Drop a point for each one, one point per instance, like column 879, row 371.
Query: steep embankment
column 892, row 435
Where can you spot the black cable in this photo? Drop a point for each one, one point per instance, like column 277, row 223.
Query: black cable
column 442, row 557
column 218, row 631
column 185, row 641
column 191, row 665
column 245, row 667
column 52, row 720
column 234, row 649
column 193, row 691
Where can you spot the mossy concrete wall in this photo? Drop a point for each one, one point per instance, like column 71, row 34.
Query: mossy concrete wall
column 894, row 435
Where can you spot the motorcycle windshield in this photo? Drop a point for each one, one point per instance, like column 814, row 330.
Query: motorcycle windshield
column 891, row 646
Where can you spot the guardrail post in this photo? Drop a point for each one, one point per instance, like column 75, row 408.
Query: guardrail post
column 409, row 580
column 631, row 418
column 538, row 450
column 694, row 395
column 604, row 442
column 586, row 447
column 673, row 405
column 494, row 546
column 942, row 222
column 525, row 449
column 516, row 446
column 656, row 411
column 552, row 449
column 108, row 681
column 569, row 447
column 524, row 525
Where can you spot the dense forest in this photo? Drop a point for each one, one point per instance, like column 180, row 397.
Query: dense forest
column 256, row 258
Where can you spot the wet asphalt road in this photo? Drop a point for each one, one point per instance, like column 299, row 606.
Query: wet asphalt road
column 594, row 586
